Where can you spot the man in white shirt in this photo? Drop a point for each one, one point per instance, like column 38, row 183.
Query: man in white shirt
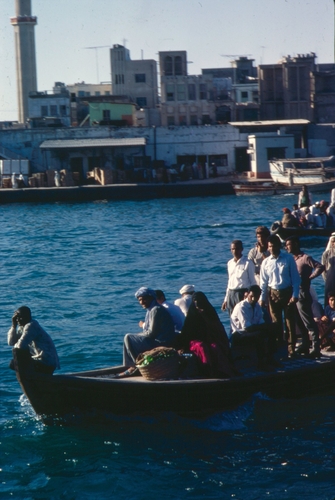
column 248, row 328
column 176, row 313
column 185, row 301
column 280, row 282
column 241, row 275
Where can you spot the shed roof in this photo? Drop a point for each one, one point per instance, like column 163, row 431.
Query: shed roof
column 271, row 123
column 92, row 143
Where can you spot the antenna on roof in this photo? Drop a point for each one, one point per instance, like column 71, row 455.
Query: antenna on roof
column 96, row 57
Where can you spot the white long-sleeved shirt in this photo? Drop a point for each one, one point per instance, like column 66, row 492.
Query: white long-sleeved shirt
column 279, row 273
column 245, row 315
column 241, row 274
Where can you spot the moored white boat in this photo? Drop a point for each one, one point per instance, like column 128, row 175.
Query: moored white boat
column 298, row 171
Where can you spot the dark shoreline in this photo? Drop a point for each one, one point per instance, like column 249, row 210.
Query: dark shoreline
column 188, row 189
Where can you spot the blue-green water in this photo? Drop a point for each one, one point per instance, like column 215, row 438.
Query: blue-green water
column 77, row 267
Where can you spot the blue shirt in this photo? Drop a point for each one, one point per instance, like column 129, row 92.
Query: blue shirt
column 279, row 273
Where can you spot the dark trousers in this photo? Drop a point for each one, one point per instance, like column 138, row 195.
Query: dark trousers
column 308, row 327
column 261, row 339
column 279, row 305
column 234, row 297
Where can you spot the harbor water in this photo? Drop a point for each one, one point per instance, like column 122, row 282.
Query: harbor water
column 78, row 266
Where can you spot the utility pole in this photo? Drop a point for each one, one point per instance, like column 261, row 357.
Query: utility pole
column 96, row 57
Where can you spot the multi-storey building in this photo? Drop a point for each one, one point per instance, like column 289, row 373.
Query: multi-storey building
column 82, row 89
column 136, row 79
column 209, row 98
column 286, row 88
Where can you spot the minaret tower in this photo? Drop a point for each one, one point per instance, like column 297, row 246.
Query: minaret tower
column 26, row 74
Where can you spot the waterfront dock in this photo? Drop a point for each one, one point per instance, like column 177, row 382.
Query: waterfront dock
column 142, row 191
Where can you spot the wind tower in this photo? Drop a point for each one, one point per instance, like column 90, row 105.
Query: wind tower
column 26, row 74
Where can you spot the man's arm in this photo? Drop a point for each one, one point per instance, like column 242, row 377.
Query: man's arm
column 263, row 283
column 317, row 266
column 295, row 278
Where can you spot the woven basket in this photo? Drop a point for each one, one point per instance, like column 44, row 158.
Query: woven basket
column 160, row 367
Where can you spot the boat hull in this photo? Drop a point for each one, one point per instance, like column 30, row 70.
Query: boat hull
column 96, row 392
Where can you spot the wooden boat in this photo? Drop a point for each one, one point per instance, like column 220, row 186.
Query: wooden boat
column 298, row 171
column 277, row 188
column 98, row 392
column 300, row 232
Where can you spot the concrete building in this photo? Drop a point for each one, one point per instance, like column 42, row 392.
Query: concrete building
column 26, row 75
column 82, row 89
column 134, row 78
column 216, row 96
column 285, row 88
column 50, row 108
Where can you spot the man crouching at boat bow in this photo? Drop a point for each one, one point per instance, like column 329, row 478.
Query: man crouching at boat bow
column 26, row 333
column 158, row 328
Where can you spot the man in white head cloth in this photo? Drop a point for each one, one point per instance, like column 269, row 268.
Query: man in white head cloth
column 185, row 301
column 158, row 328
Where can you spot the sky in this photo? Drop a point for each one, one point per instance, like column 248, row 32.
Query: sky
column 211, row 31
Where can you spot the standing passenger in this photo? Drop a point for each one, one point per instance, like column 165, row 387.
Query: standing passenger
column 308, row 269
column 328, row 260
column 280, row 282
column 241, row 275
column 260, row 250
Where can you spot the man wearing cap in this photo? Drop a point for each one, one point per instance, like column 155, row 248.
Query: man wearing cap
column 158, row 328
column 185, row 301
column 260, row 250
column 241, row 275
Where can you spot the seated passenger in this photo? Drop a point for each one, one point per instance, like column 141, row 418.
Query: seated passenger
column 326, row 324
column 185, row 301
column 248, row 328
column 177, row 315
column 26, row 333
column 158, row 328
column 296, row 212
column 288, row 219
column 205, row 336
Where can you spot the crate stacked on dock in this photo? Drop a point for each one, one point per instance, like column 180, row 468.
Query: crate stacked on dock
column 32, row 182
column 50, row 178
column 66, row 178
column 40, row 179
column 6, row 182
column 104, row 176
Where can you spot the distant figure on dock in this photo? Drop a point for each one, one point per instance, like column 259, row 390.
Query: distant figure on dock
column 21, row 183
column 305, row 198
column 14, row 181
column 57, row 179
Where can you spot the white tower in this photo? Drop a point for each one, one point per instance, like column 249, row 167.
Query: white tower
column 26, row 74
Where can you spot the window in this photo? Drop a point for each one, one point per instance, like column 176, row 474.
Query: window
column 140, row 78
column 119, row 79
column 244, row 96
column 170, row 92
column 181, row 94
column 193, row 120
column 170, row 120
column 182, row 120
column 44, row 110
column 178, row 68
column 107, row 92
column 120, row 55
column 191, row 92
column 141, row 101
column 203, row 91
column 97, row 92
column 106, row 114
column 168, row 66
column 62, row 110
column 53, row 110
column 81, row 93
column 87, row 93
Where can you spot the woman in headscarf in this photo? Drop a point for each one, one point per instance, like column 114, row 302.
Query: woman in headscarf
column 328, row 260
column 331, row 208
column 204, row 335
